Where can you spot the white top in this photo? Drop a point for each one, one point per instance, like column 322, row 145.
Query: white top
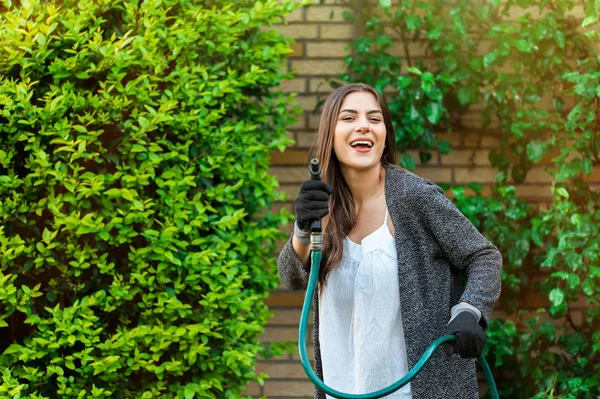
column 360, row 321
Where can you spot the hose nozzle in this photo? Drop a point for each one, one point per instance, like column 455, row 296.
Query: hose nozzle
column 316, row 235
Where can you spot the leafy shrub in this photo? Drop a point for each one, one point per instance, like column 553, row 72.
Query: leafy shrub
column 135, row 249
column 531, row 66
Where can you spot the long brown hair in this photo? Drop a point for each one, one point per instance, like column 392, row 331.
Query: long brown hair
column 342, row 215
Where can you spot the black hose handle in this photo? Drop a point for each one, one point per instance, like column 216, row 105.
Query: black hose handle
column 314, row 169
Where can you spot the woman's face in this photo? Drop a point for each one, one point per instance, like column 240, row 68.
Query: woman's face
column 359, row 137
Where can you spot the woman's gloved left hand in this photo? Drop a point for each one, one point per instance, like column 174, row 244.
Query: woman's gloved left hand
column 470, row 338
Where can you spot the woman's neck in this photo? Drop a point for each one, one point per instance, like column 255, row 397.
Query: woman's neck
column 365, row 185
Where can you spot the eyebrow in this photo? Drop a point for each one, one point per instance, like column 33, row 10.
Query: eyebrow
column 356, row 112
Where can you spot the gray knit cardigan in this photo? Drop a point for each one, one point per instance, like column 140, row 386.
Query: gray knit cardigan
column 436, row 245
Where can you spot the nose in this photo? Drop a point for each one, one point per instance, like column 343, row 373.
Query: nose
column 363, row 125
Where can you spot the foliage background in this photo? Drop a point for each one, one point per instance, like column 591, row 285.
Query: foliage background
column 135, row 252
column 535, row 79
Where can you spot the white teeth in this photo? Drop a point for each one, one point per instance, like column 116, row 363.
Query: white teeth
column 357, row 142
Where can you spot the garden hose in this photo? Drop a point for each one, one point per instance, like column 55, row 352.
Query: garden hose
column 316, row 245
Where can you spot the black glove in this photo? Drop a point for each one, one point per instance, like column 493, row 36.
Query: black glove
column 470, row 339
column 312, row 203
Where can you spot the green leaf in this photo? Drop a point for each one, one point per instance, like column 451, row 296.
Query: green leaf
column 126, row 194
column 404, row 81
column 559, row 37
column 489, row 58
column 413, row 22
column 385, row 3
column 433, row 112
column 557, row 296
column 408, row 162
column 444, row 147
column 562, row 192
column 523, row 45
column 535, row 151
column 414, row 70
column 589, row 21
column 47, row 236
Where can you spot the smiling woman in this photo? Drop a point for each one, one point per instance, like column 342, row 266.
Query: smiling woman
column 395, row 254
column 359, row 128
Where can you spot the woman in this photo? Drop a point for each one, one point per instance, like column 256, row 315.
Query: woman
column 401, row 265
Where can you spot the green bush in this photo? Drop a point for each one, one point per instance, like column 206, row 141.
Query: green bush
column 135, row 249
column 531, row 67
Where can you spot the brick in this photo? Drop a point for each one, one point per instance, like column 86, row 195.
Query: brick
column 297, row 50
column 253, row 389
column 454, row 138
column 390, row 93
column 538, row 175
column 307, row 102
column 290, row 135
column 285, row 316
column 279, row 244
column 316, row 85
column 297, row 15
column 326, row 49
column 290, row 190
column 416, row 49
column 288, row 316
column 289, row 174
column 297, row 85
column 594, row 177
column 435, row 174
column 298, row 31
column 287, row 228
column 325, row 13
column 310, row 352
column 516, row 12
column 502, row 315
column 474, row 121
column 533, row 301
column 534, row 192
column 595, row 187
column 289, row 157
column 474, row 174
column 471, row 139
column 278, row 206
column 490, row 141
column 274, row 334
column 466, row 157
column 300, row 122
column 314, row 119
column 282, row 358
column 306, row 139
column 289, row 299
column 290, row 389
column 318, row 67
column 578, row 317
column 285, row 370
column 336, row 31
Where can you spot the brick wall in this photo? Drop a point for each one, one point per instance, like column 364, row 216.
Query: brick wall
column 319, row 50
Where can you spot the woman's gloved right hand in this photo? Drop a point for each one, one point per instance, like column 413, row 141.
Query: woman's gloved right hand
column 312, row 203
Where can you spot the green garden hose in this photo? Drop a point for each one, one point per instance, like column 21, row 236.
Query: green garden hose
column 314, row 273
